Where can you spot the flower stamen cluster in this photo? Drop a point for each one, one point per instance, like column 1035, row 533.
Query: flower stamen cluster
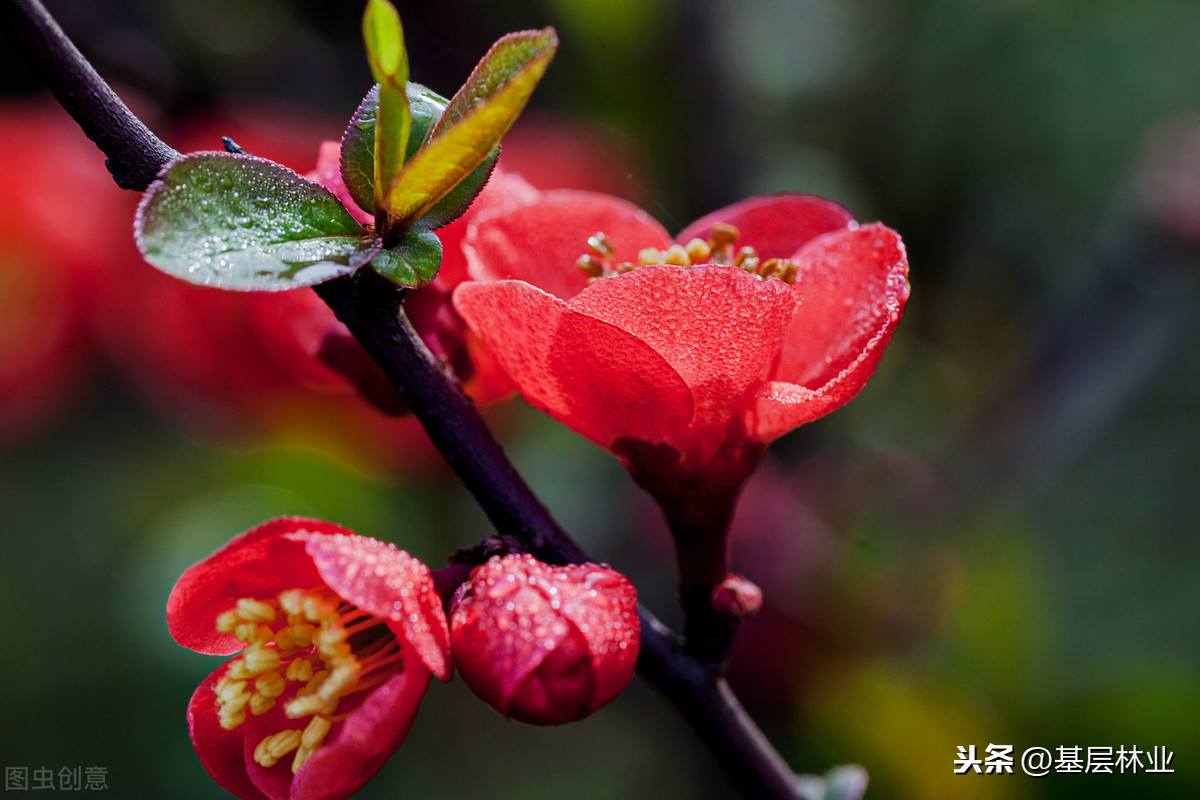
column 720, row 248
column 308, row 639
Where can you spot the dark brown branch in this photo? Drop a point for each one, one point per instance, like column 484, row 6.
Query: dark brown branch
column 134, row 154
column 370, row 306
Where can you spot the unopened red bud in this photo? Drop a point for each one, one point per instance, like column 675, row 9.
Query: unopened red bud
column 545, row 644
column 737, row 597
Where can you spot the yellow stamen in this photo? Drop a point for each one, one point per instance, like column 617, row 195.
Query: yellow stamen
column 719, row 250
column 276, row 746
column 253, row 610
column 677, row 256
column 315, row 733
column 300, row 669
column 590, row 266
column 698, row 251
column 651, row 255
column 723, row 234
column 259, row 658
column 601, row 245
column 270, row 684
column 261, row 704
column 312, row 638
column 744, row 253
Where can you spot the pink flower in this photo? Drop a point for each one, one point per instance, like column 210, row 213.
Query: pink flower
column 338, row 634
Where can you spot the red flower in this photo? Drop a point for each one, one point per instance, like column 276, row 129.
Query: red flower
column 544, row 644
column 754, row 320
column 338, row 636
column 63, row 233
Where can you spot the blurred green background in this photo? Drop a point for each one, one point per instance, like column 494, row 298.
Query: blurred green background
column 994, row 543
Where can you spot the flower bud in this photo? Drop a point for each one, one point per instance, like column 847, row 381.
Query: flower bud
column 545, row 644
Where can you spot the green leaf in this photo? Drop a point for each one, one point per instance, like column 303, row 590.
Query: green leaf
column 389, row 64
column 358, row 155
column 414, row 261
column 240, row 222
column 478, row 116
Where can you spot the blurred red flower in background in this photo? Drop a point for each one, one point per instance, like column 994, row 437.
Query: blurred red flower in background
column 63, row 225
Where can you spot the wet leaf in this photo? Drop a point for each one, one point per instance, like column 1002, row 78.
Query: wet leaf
column 414, row 261
column 240, row 222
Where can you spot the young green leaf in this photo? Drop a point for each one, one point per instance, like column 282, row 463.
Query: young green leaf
column 412, row 262
column 240, row 222
column 358, row 155
column 384, row 38
column 478, row 116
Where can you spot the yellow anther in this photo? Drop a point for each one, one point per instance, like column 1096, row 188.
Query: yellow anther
column 228, row 690
column 744, row 253
column 318, row 625
column 601, row 245
column 722, row 234
column 302, row 634
column 237, row 670
column 253, row 610
column 315, row 733
column 292, row 601
column 781, row 268
column 275, row 747
column 260, row 659
column 300, row 669
column 284, row 640
column 650, row 255
column 261, row 704
column 314, row 683
column 227, row 621
column 229, row 721
column 302, row 754
column 750, row 264
column 340, row 679
column 590, row 266
column 624, row 267
column 698, row 251
column 246, row 631
column 309, row 704
column 677, row 256
column 270, row 684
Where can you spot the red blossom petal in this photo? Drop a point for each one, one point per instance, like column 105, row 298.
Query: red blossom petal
column 775, row 225
column 389, row 583
column 222, row 752
column 294, row 325
column 365, row 739
column 718, row 327
column 260, row 563
column 852, row 287
column 588, row 374
column 503, row 190
column 540, row 243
